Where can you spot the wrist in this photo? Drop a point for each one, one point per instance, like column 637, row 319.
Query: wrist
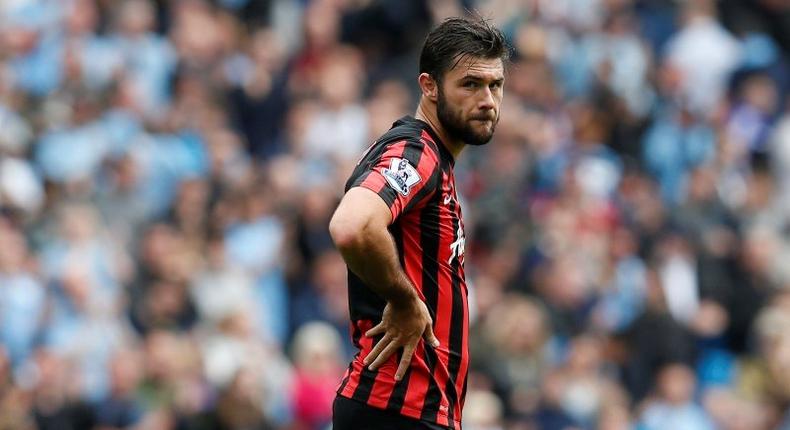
column 407, row 300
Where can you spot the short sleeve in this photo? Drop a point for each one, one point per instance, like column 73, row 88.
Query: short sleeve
column 404, row 175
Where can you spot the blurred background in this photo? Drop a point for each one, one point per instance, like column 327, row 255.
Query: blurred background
column 168, row 169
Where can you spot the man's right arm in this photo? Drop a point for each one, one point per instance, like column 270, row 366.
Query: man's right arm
column 359, row 230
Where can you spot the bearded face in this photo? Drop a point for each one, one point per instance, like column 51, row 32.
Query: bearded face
column 468, row 100
column 473, row 130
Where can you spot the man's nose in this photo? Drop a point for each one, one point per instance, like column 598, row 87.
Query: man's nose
column 486, row 101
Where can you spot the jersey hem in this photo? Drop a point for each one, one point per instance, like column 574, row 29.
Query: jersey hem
column 418, row 412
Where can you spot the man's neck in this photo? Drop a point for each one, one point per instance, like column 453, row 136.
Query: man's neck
column 428, row 114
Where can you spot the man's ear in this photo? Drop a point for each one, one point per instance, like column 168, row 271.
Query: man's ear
column 429, row 87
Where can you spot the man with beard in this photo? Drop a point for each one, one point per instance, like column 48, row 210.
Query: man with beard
column 401, row 234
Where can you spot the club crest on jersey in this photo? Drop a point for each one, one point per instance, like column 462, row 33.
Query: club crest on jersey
column 401, row 175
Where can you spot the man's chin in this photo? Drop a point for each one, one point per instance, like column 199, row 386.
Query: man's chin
column 480, row 140
column 480, row 135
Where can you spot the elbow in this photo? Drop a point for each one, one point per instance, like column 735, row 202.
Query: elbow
column 345, row 233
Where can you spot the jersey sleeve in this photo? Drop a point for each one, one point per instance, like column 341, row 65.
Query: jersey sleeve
column 403, row 176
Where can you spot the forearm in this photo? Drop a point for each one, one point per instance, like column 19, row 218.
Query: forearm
column 359, row 230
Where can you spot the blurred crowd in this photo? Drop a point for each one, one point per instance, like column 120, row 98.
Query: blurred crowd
column 168, row 169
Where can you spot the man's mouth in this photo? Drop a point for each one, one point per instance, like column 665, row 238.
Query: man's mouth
column 483, row 118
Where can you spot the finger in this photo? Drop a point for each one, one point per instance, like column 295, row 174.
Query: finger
column 376, row 349
column 430, row 337
column 384, row 356
column 378, row 329
column 405, row 359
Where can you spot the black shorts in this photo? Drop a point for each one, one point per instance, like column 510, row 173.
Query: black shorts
column 350, row 414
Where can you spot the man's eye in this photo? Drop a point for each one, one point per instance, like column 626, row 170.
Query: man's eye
column 471, row 84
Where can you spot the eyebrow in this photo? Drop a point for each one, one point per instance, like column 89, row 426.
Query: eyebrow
column 478, row 78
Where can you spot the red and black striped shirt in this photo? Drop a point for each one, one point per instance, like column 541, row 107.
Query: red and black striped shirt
column 412, row 171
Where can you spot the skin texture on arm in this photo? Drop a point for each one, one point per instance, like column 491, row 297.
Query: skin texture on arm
column 359, row 230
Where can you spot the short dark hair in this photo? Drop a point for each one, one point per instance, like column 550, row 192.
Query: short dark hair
column 459, row 37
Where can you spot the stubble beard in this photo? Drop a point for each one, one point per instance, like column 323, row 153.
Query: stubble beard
column 457, row 128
